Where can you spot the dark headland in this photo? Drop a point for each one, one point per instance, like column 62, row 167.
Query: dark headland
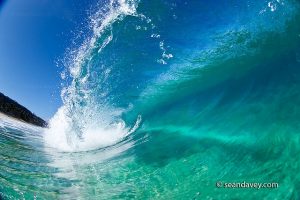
column 13, row 109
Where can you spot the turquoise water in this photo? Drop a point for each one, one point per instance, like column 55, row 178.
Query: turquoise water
column 162, row 100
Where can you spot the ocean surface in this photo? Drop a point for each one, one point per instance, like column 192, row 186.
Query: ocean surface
column 163, row 99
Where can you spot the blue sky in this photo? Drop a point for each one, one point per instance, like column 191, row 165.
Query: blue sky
column 34, row 35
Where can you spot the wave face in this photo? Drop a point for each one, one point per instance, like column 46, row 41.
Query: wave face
column 165, row 98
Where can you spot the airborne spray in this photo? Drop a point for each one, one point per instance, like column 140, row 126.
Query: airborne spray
column 86, row 121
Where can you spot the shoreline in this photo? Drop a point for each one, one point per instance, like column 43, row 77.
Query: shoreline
column 12, row 108
column 12, row 120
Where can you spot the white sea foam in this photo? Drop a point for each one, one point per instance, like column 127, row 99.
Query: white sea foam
column 62, row 134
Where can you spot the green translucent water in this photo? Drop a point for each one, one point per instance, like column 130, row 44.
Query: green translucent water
column 227, row 112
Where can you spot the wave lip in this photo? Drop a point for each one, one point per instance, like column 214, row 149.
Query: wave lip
column 86, row 122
